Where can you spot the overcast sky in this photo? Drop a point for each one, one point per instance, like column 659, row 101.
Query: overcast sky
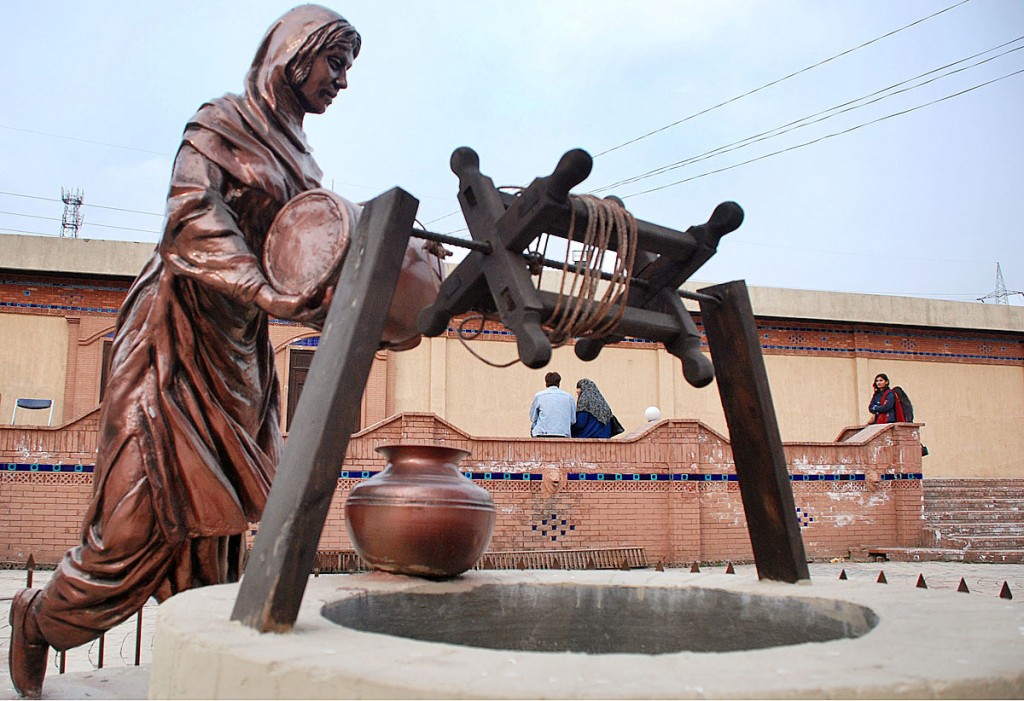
column 913, row 194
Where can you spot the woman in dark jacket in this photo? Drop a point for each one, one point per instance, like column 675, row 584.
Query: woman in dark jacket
column 593, row 415
column 883, row 403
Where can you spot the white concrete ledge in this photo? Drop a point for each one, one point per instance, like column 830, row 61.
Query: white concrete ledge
column 927, row 644
column 52, row 254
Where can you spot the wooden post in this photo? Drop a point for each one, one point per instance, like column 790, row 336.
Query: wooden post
column 754, row 434
column 285, row 547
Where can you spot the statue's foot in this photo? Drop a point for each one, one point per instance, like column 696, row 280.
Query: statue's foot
column 27, row 660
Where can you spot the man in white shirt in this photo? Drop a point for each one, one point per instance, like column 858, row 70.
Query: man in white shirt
column 553, row 411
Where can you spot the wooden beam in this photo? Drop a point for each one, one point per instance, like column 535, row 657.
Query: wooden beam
column 754, row 434
column 285, row 547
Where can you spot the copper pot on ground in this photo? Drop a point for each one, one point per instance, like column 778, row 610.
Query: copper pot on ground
column 420, row 516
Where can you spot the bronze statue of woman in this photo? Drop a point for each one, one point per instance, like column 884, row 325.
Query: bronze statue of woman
column 190, row 426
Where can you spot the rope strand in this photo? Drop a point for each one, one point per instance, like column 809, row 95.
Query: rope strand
column 578, row 313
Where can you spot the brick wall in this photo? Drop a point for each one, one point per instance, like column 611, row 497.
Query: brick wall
column 669, row 488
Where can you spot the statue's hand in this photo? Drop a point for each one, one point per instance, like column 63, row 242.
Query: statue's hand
column 317, row 307
column 300, row 307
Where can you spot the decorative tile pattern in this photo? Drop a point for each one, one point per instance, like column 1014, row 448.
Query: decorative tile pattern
column 551, row 527
column 804, row 517
column 45, row 468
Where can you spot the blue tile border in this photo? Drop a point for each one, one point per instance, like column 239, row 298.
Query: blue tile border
column 828, row 350
column 35, row 282
column 620, row 476
column 497, row 476
column 833, row 477
column 505, row 476
column 357, row 474
column 493, row 476
column 60, row 307
column 46, row 467
column 715, row 477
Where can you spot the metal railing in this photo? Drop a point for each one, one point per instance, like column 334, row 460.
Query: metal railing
column 590, row 559
column 96, row 653
column 348, row 561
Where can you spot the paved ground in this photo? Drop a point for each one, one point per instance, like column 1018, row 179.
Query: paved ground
column 121, row 679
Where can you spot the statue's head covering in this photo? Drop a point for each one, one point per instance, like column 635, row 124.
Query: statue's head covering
column 269, row 80
column 257, row 137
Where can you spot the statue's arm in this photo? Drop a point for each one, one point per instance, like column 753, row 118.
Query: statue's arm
column 202, row 240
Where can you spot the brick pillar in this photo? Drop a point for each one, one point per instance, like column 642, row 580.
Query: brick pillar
column 374, row 406
column 69, row 407
column 680, row 447
column 909, row 494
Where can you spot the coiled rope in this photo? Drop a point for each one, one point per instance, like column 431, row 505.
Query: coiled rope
column 578, row 312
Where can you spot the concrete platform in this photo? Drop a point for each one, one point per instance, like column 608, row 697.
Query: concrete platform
column 928, row 643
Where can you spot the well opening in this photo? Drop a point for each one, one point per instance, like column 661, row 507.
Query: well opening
column 603, row 619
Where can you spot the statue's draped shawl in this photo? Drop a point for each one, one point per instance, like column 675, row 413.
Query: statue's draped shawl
column 192, row 375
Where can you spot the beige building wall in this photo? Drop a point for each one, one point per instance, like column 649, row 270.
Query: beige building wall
column 972, row 409
column 971, row 413
column 33, row 362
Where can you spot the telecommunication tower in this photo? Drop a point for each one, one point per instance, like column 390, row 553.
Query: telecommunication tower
column 1000, row 294
column 72, row 218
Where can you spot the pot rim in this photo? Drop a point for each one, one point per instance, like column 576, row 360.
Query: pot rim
column 386, row 448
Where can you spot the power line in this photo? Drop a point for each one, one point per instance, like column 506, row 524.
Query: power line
column 85, row 141
column 105, row 226
column 826, row 251
column 823, row 138
column 779, row 80
column 84, row 204
column 822, row 115
column 23, row 231
column 726, row 149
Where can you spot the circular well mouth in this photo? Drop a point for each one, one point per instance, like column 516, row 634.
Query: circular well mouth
column 603, row 619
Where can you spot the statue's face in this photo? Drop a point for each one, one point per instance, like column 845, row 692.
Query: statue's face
column 327, row 78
